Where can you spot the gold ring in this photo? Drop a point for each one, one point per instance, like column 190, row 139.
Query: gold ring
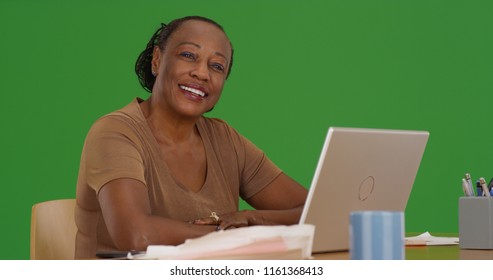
column 214, row 216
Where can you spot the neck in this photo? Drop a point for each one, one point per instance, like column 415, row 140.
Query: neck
column 167, row 127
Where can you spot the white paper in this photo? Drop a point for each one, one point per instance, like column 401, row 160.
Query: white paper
column 247, row 241
column 431, row 240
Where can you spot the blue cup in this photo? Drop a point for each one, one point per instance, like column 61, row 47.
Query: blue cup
column 376, row 235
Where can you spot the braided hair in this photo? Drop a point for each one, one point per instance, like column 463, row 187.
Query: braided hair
column 143, row 66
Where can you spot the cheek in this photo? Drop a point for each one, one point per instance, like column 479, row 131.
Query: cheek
column 171, row 68
column 217, row 95
column 219, row 84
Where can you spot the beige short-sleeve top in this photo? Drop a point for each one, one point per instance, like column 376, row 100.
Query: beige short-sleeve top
column 121, row 145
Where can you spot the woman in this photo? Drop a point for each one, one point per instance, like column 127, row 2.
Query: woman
column 159, row 172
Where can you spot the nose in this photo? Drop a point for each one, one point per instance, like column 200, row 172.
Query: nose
column 200, row 71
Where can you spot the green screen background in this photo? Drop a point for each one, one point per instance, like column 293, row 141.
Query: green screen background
column 300, row 67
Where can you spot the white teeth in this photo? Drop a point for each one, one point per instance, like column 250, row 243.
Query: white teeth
column 193, row 90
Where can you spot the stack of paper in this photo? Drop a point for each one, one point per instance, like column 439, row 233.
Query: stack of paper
column 430, row 240
column 254, row 242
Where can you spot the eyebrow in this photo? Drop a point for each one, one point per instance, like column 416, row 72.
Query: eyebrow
column 199, row 46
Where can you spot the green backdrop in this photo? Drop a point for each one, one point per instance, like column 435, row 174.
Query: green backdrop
column 300, row 66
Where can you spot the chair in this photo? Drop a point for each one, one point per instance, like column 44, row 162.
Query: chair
column 53, row 230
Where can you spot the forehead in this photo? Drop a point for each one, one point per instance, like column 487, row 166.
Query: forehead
column 202, row 33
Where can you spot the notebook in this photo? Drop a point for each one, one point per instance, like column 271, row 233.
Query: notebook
column 360, row 169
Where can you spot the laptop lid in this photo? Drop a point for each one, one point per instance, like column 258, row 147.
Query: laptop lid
column 360, row 169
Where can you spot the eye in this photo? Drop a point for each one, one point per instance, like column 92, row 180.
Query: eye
column 188, row 55
column 218, row 67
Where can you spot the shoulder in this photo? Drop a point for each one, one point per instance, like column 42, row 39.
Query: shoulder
column 214, row 122
column 221, row 133
column 124, row 121
column 218, row 127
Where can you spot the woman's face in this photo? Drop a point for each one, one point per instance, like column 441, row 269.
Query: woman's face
column 191, row 70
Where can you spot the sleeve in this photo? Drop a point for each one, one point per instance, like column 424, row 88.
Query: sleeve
column 112, row 151
column 255, row 168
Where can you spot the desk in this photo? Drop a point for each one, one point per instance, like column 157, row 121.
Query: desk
column 438, row 252
column 448, row 252
column 444, row 252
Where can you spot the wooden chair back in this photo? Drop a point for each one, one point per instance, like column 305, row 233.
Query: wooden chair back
column 53, row 230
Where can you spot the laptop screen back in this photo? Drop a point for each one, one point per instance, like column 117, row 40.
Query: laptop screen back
column 360, row 169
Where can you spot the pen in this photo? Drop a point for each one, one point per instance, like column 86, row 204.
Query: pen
column 479, row 188
column 486, row 192
column 490, row 186
column 469, row 183
column 465, row 188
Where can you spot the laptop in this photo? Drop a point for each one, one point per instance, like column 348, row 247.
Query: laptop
column 360, row 169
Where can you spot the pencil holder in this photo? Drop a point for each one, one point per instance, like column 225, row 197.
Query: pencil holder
column 476, row 222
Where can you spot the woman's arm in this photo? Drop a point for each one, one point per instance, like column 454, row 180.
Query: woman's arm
column 279, row 203
column 127, row 214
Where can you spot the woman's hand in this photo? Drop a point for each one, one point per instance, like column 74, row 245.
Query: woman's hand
column 226, row 220
column 279, row 203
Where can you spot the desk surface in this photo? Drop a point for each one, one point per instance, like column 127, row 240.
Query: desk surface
column 442, row 252
column 445, row 252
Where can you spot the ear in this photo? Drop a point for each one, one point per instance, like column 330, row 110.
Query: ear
column 156, row 59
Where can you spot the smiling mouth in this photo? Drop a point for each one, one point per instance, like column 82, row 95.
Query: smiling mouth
column 193, row 91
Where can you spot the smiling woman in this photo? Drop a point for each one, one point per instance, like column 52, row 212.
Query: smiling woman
column 158, row 172
column 196, row 68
